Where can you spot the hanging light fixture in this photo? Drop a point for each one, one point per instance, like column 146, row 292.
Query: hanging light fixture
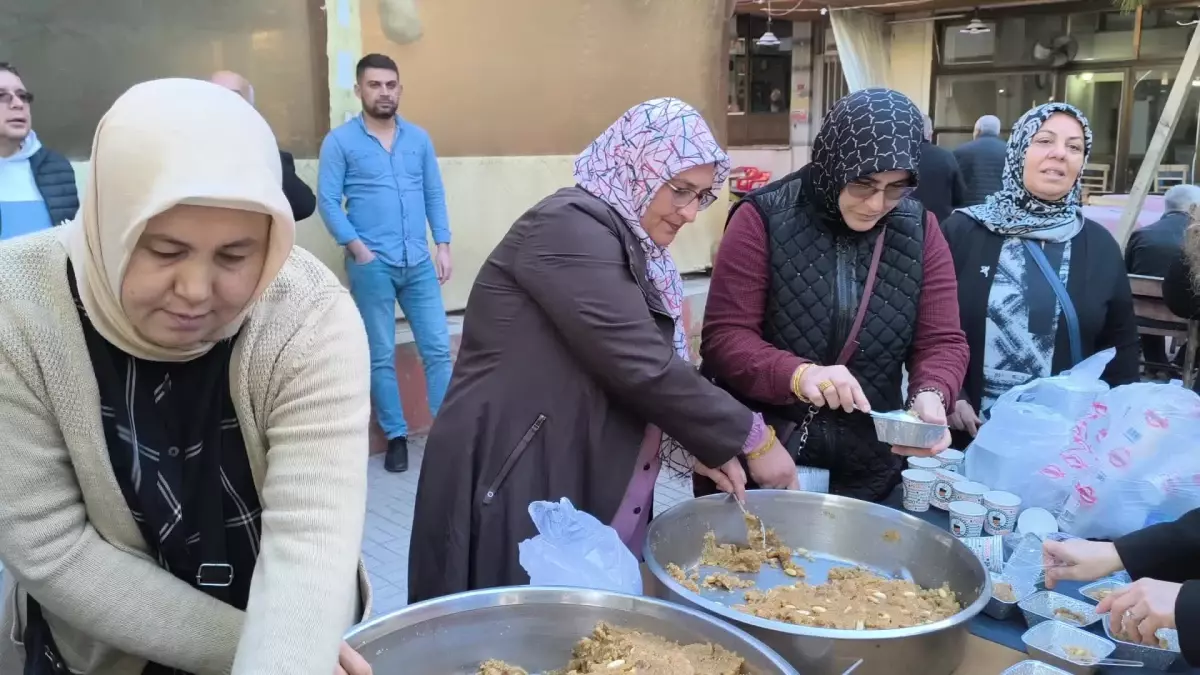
column 975, row 26
column 768, row 38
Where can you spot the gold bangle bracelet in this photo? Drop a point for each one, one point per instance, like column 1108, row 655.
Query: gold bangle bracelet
column 767, row 445
column 799, row 373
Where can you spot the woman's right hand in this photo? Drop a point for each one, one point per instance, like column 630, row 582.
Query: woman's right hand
column 964, row 418
column 775, row 469
column 833, row 386
column 351, row 662
column 1079, row 560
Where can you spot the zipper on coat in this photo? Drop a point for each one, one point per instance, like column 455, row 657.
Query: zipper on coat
column 845, row 297
column 512, row 458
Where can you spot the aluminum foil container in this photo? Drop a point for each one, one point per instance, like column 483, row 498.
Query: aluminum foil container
column 1091, row 591
column 1041, row 606
column 900, row 428
column 1033, row 668
column 1153, row 657
column 1001, row 610
column 1049, row 640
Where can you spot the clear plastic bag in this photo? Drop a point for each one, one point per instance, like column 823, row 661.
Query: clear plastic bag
column 1145, row 470
column 574, row 549
column 1031, row 443
column 1013, row 446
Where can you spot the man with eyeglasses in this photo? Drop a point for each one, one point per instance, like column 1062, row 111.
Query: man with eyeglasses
column 37, row 185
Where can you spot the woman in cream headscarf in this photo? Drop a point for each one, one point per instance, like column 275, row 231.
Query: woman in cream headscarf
column 184, row 399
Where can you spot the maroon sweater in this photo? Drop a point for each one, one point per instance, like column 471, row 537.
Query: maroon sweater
column 733, row 347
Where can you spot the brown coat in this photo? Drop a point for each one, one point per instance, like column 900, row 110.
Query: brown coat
column 566, row 356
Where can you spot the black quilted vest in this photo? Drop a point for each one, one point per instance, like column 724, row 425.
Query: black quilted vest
column 818, row 273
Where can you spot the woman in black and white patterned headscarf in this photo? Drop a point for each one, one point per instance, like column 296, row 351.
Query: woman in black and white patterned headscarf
column 1019, row 251
column 800, row 258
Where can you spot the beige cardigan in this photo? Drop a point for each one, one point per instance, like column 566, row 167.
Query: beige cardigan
column 300, row 380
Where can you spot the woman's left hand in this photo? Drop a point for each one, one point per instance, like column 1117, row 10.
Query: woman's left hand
column 351, row 662
column 929, row 408
column 1138, row 610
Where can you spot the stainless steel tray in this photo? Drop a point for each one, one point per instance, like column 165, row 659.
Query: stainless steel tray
column 836, row 531
column 535, row 628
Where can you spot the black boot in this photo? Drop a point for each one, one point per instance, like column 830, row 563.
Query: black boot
column 397, row 455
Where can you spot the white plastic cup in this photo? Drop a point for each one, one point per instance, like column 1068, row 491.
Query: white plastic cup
column 966, row 519
column 969, row 491
column 952, row 460
column 918, row 486
column 1002, row 509
column 813, row 479
column 926, row 463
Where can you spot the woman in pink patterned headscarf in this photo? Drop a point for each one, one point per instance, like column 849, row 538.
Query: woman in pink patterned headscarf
column 573, row 377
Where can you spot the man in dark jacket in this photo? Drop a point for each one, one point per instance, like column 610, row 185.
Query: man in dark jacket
column 982, row 160
column 37, row 185
column 941, row 188
column 299, row 195
column 1153, row 248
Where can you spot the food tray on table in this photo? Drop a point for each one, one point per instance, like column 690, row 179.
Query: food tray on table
column 1066, row 647
column 1032, row 667
column 1154, row 657
column 999, row 608
column 1098, row 590
column 1051, row 606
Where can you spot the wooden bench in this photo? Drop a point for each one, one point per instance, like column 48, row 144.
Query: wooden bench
column 1148, row 304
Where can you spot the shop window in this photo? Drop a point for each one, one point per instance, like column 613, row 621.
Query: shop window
column 963, row 99
column 1163, row 36
column 760, row 83
column 1103, row 36
column 1008, row 42
column 79, row 57
column 1150, row 93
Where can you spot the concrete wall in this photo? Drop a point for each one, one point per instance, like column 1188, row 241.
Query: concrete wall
column 512, row 91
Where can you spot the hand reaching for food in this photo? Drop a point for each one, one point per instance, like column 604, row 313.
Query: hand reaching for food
column 1079, row 560
column 1138, row 610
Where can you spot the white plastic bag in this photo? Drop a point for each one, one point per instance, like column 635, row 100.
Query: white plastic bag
column 1069, row 394
column 1145, row 468
column 1013, row 446
column 1029, row 446
column 574, row 549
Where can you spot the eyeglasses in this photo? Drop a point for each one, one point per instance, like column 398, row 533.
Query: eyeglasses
column 6, row 96
column 683, row 197
column 892, row 193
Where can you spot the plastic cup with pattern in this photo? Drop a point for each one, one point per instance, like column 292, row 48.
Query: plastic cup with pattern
column 926, row 463
column 918, row 486
column 1002, row 509
column 966, row 519
column 952, row 460
column 943, row 489
column 969, row 491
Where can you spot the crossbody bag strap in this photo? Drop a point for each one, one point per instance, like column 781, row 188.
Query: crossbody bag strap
column 851, row 345
column 1064, row 300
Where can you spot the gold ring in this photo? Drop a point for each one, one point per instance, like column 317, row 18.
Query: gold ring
column 823, row 386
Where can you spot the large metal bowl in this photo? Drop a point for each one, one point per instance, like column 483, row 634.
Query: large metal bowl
column 836, row 531
column 535, row 628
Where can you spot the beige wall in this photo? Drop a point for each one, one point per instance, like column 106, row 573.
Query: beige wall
column 911, row 59
column 511, row 91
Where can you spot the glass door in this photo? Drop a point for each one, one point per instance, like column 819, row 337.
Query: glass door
column 1178, row 164
column 1099, row 95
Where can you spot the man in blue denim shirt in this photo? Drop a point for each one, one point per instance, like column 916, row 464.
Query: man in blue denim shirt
column 387, row 170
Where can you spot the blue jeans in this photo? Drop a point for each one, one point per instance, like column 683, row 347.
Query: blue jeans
column 376, row 287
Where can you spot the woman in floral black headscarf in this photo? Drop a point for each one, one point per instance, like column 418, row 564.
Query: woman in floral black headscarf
column 782, row 326
column 1018, row 326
